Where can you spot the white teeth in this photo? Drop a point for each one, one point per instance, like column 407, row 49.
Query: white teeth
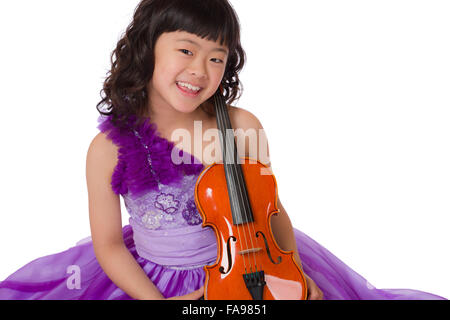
column 189, row 86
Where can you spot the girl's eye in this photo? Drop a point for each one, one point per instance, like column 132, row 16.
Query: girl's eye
column 185, row 50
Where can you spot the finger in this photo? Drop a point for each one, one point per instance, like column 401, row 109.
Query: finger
column 195, row 295
column 316, row 295
column 201, row 292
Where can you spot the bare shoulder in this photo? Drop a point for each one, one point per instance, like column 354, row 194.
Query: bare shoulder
column 251, row 138
column 243, row 119
column 102, row 152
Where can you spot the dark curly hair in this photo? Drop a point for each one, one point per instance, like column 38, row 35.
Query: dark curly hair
column 132, row 61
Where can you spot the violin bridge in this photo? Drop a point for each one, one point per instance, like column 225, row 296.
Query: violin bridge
column 251, row 250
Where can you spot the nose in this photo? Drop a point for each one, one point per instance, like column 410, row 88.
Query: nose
column 197, row 68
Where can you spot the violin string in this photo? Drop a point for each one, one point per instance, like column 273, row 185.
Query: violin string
column 239, row 196
column 228, row 148
column 255, row 257
column 240, row 185
column 234, row 166
column 254, row 231
column 220, row 120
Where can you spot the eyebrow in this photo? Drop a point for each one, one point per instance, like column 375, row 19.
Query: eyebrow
column 195, row 43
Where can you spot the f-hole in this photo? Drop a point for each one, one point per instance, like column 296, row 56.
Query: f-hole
column 267, row 249
column 230, row 262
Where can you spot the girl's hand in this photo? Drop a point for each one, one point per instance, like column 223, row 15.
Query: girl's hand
column 314, row 293
column 195, row 295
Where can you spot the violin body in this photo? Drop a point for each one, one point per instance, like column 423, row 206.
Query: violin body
column 250, row 265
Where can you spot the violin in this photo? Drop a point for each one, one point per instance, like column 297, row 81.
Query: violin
column 237, row 200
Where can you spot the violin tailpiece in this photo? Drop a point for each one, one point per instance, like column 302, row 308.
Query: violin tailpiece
column 255, row 284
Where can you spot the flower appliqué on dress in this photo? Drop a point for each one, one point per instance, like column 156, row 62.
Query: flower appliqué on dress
column 191, row 215
column 167, row 203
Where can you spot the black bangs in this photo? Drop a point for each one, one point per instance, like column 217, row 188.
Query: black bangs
column 209, row 19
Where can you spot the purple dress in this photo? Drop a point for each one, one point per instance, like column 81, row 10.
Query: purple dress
column 165, row 235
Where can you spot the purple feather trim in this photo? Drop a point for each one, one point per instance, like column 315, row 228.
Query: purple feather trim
column 133, row 171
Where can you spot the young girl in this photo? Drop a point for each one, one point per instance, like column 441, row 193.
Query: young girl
column 165, row 70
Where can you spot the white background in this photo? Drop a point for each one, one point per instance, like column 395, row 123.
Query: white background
column 353, row 95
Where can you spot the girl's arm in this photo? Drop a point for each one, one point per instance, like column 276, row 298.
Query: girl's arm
column 284, row 233
column 106, row 224
column 106, row 227
column 282, row 229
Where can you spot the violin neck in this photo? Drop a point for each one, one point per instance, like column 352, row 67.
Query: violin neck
column 237, row 190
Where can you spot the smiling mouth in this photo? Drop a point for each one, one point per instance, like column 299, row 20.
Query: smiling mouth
column 188, row 92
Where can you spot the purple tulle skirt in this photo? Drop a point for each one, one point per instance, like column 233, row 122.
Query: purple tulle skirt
column 52, row 277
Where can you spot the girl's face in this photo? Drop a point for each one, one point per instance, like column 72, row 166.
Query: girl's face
column 184, row 57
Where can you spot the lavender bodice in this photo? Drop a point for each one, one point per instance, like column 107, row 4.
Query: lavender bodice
column 169, row 208
column 159, row 197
